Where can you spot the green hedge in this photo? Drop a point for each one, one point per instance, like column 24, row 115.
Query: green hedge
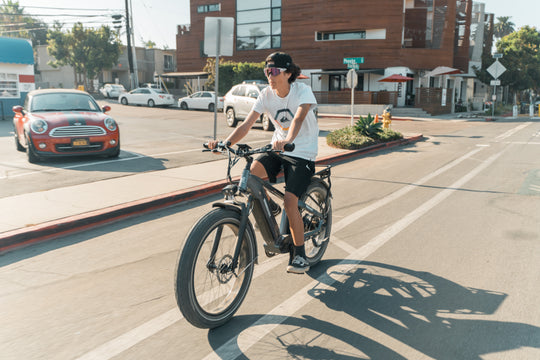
column 232, row 73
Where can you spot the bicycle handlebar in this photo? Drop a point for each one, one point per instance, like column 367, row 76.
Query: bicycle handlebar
column 246, row 150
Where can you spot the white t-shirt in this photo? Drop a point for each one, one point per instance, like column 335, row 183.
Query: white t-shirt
column 281, row 112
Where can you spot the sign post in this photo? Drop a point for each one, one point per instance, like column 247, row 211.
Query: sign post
column 496, row 69
column 352, row 78
column 219, row 31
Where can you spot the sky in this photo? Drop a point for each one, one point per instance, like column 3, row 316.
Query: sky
column 157, row 20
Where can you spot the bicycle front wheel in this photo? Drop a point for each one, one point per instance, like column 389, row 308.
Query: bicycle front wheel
column 316, row 197
column 208, row 290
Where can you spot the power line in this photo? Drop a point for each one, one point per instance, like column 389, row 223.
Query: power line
column 55, row 8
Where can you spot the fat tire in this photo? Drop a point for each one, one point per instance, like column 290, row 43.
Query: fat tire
column 201, row 233
column 317, row 191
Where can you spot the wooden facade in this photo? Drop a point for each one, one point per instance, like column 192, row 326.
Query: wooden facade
column 301, row 19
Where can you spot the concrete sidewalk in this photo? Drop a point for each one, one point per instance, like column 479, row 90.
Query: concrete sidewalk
column 34, row 217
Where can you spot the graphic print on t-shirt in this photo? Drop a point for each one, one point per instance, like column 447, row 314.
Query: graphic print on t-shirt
column 284, row 118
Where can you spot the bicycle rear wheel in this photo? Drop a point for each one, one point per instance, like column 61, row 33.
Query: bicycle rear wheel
column 208, row 292
column 316, row 197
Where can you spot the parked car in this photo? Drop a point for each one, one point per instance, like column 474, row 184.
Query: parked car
column 204, row 100
column 112, row 90
column 239, row 101
column 146, row 96
column 60, row 122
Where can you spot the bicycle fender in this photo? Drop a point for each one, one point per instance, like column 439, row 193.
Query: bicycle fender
column 249, row 228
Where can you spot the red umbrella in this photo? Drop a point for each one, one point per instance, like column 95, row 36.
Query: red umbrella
column 395, row 78
column 443, row 70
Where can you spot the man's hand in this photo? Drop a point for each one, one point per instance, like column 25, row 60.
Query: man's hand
column 212, row 144
column 279, row 145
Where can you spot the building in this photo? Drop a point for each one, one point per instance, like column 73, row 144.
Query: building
column 150, row 62
column 406, row 37
column 16, row 73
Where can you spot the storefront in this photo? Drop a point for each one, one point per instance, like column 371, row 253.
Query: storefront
column 16, row 73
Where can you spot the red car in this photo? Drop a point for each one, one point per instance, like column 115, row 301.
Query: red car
column 59, row 122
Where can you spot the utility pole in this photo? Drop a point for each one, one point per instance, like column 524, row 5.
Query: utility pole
column 129, row 50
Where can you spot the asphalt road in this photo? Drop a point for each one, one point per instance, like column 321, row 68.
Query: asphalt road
column 434, row 255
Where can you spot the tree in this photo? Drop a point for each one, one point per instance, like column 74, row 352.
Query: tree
column 15, row 23
column 149, row 44
column 521, row 57
column 88, row 51
column 503, row 27
column 231, row 73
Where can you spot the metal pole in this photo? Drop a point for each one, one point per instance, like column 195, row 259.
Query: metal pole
column 494, row 98
column 352, row 105
column 216, row 80
column 129, row 50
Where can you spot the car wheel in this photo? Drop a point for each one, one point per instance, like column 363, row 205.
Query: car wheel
column 116, row 153
column 211, row 107
column 183, row 106
column 267, row 123
column 18, row 144
column 231, row 117
column 108, row 95
column 30, row 153
column 151, row 103
column 124, row 101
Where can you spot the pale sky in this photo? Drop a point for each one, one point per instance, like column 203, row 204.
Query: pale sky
column 157, row 20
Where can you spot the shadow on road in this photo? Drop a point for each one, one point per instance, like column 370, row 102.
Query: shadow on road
column 431, row 314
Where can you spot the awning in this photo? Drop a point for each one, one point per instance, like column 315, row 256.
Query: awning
column 185, row 74
column 443, row 70
column 16, row 51
column 396, row 78
column 344, row 72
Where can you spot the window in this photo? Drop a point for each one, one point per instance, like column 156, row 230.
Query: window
column 258, row 24
column 9, row 85
column 168, row 62
column 351, row 35
column 208, row 8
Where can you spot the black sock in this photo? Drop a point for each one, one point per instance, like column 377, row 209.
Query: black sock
column 300, row 250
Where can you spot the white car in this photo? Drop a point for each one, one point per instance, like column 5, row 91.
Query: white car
column 239, row 101
column 146, row 96
column 204, row 100
column 112, row 90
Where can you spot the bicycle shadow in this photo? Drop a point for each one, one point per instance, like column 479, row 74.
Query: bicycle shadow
column 431, row 314
column 427, row 312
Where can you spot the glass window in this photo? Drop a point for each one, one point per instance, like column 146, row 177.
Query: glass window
column 254, row 16
column 9, row 85
column 276, row 3
column 351, row 35
column 208, row 8
column 276, row 41
column 240, row 91
column 276, row 28
column 276, row 14
column 250, row 4
column 260, row 29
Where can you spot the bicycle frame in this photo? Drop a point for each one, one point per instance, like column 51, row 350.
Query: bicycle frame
column 277, row 238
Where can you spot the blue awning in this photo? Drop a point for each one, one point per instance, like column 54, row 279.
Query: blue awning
column 16, row 51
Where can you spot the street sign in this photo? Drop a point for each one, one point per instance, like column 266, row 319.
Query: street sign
column 352, row 61
column 218, row 36
column 496, row 69
column 495, row 83
column 497, row 56
column 352, row 78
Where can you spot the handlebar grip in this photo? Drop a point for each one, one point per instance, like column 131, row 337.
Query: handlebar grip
column 289, row 147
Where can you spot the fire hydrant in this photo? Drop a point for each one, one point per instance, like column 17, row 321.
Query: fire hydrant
column 387, row 119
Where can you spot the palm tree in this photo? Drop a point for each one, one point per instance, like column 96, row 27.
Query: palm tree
column 503, row 27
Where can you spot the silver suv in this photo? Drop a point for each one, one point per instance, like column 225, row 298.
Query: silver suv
column 239, row 101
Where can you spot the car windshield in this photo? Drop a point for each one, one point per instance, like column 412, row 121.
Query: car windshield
column 117, row 87
column 63, row 102
column 262, row 86
column 159, row 91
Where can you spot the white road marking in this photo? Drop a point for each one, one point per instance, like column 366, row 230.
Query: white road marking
column 512, row 131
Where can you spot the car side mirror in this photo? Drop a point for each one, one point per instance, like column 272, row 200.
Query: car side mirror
column 17, row 109
column 106, row 108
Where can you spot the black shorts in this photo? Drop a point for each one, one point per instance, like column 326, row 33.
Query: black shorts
column 298, row 172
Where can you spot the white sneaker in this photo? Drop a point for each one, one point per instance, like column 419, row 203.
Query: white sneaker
column 299, row 265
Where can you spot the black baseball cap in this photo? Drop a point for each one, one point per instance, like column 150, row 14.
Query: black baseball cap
column 280, row 59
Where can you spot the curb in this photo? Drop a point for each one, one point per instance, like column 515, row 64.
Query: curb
column 15, row 239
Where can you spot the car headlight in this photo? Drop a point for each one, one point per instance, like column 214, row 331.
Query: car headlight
column 39, row 126
column 110, row 124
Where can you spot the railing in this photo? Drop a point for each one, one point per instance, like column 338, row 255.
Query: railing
column 360, row 97
column 430, row 99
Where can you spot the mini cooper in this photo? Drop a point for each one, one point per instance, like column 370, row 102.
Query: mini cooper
column 58, row 122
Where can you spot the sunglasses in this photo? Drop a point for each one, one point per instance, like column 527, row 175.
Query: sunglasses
column 274, row 71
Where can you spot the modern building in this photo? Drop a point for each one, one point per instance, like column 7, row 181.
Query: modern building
column 16, row 73
column 406, row 37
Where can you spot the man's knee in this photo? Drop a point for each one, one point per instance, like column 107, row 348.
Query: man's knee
column 290, row 201
column 258, row 169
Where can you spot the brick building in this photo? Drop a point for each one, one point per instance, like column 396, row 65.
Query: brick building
column 408, row 37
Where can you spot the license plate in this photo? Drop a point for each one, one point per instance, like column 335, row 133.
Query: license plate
column 80, row 142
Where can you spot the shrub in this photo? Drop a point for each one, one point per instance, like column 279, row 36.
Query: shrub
column 367, row 126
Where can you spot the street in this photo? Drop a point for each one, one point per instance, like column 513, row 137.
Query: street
column 434, row 254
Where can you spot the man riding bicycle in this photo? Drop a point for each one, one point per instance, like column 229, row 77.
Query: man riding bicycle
column 289, row 105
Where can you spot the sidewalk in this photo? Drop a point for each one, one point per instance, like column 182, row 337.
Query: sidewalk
column 45, row 215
